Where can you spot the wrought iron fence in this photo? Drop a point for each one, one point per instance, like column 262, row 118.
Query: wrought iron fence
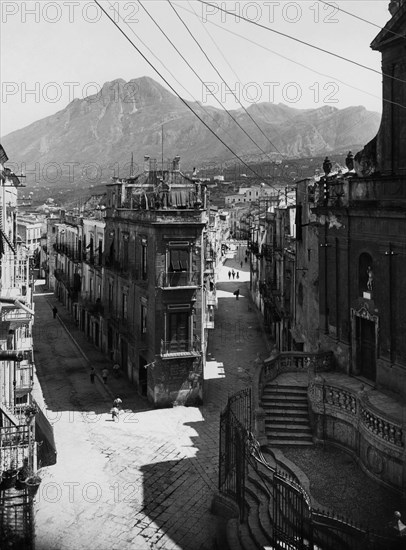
column 294, row 524
column 235, row 426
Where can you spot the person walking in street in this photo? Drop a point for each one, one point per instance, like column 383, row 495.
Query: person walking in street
column 54, row 311
column 233, row 273
column 114, row 413
column 105, row 374
column 92, row 375
column 241, row 264
column 238, row 274
column 237, row 293
column 117, row 403
column 229, row 274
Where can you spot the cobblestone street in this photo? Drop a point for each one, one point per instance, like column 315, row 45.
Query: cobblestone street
column 147, row 481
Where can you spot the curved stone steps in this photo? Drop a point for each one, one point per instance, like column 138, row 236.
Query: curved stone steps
column 254, row 520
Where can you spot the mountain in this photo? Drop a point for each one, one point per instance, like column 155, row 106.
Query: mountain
column 92, row 139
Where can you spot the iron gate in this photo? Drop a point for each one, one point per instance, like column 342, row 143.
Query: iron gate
column 235, row 425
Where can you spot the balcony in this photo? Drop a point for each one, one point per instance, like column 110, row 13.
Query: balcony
column 211, row 298
column 179, row 279
column 23, row 380
column 352, row 191
column 180, row 348
column 208, row 321
column 91, row 304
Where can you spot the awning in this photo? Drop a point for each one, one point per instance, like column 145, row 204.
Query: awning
column 44, row 435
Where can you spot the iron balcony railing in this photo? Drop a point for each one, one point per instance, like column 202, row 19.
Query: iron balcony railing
column 181, row 346
column 170, row 279
column 23, row 379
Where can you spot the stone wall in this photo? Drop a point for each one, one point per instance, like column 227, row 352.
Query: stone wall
column 347, row 418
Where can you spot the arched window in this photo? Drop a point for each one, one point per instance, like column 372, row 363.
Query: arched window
column 365, row 273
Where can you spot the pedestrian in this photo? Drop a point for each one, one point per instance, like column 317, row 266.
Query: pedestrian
column 237, row 293
column 54, row 311
column 238, row 274
column 229, row 274
column 105, row 374
column 246, row 259
column 117, row 403
column 116, row 370
column 211, row 282
column 233, row 273
column 241, row 264
column 92, row 375
column 114, row 413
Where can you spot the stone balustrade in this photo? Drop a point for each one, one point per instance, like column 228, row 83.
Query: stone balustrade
column 346, row 417
column 343, row 413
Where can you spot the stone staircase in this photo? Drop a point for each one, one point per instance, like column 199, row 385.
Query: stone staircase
column 287, row 416
column 256, row 531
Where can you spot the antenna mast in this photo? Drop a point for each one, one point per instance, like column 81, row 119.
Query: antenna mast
column 162, row 153
column 132, row 166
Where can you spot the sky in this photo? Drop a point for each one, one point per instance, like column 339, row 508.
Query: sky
column 53, row 52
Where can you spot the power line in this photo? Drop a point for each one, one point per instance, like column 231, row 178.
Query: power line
column 218, row 73
column 233, row 138
column 296, row 62
column 173, row 89
column 318, row 48
column 204, row 84
column 362, row 19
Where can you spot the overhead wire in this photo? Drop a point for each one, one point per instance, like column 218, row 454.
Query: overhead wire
column 173, row 89
column 385, row 100
column 204, row 84
column 295, row 62
column 223, row 80
column 308, row 44
column 363, row 19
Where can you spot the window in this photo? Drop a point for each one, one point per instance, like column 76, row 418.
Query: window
column 100, row 252
column 144, row 312
column 144, row 257
column 178, row 260
column 178, row 329
column 110, row 294
column 124, row 306
column 125, row 252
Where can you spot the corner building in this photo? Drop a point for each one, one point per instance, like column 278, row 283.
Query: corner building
column 154, row 313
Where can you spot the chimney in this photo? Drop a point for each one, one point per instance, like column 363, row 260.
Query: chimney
column 146, row 164
column 175, row 164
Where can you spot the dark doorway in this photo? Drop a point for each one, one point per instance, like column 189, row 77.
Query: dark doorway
column 124, row 355
column 142, row 376
column 110, row 342
column 366, row 348
column 96, row 334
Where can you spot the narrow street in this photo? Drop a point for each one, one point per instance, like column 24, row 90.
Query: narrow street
column 147, row 481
